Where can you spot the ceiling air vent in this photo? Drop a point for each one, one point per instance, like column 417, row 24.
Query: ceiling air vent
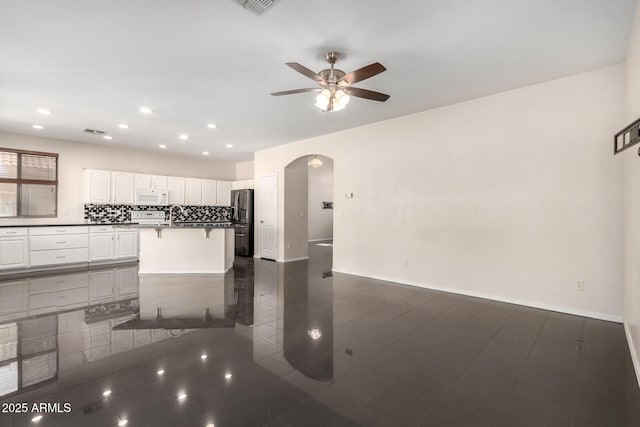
column 258, row 7
column 95, row 132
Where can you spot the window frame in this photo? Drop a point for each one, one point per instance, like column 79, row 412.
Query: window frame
column 19, row 181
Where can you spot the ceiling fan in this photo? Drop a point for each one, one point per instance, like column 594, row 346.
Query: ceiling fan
column 335, row 85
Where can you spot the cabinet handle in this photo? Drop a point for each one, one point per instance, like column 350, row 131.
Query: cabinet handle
column 61, row 243
column 61, row 257
column 61, row 231
column 12, row 232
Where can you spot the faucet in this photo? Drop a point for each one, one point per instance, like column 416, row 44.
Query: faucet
column 171, row 213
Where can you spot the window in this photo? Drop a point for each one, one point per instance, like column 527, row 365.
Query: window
column 28, row 183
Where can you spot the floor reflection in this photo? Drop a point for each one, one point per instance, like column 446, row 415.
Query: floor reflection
column 286, row 344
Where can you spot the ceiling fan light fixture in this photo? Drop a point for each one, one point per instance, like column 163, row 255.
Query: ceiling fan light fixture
column 315, row 162
column 342, row 98
column 322, row 100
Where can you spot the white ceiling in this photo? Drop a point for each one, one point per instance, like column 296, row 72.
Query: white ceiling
column 94, row 63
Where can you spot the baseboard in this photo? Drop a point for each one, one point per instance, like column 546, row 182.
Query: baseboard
column 632, row 350
column 320, row 240
column 534, row 304
column 293, row 259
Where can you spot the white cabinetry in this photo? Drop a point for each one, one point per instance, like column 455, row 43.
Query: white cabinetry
column 126, row 244
column 108, row 243
column 58, row 245
column 13, row 299
column 97, row 186
column 14, row 248
column 157, row 182
column 102, row 187
column 176, row 190
column 243, row 184
column 122, row 188
column 193, row 189
column 209, row 192
column 224, row 193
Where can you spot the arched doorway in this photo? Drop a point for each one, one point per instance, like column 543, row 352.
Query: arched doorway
column 308, row 205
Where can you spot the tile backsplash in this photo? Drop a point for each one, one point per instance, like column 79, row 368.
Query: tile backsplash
column 122, row 213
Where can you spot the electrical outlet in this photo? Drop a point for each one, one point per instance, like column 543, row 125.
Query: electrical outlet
column 288, row 246
column 65, row 212
column 406, row 262
column 580, row 285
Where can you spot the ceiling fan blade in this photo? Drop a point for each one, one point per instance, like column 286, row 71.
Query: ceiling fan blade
column 366, row 94
column 291, row 92
column 363, row 73
column 305, row 71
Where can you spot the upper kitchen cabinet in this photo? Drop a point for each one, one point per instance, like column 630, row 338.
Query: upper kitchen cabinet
column 193, row 188
column 176, row 190
column 97, row 186
column 102, row 187
column 122, row 188
column 243, row 185
column 157, row 182
column 209, row 192
column 224, row 193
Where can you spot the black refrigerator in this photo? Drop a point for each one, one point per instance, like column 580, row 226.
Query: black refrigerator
column 242, row 217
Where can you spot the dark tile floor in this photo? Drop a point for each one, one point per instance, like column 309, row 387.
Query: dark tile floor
column 292, row 345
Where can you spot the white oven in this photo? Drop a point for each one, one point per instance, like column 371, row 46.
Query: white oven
column 149, row 197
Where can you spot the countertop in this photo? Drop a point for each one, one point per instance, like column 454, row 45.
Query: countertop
column 77, row 224
column 187, row 225
column 132, row 225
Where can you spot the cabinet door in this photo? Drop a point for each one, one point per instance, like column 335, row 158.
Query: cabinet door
column 97, row 186
column 224, row 193
column 101, row 246
column 237, row 185
column 176, row 190
column 126, row 244
column 126, row 281
column 14, row 252
column 142, row 181
column 193, row 191
column 122, row 187
column 13, row 299
column 101, row 287
column 209, row 192
column 160, row 182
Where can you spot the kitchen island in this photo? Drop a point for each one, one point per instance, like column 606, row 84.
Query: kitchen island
column 186, row 248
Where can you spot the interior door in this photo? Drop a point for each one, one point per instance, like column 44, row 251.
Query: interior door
column 269, row 216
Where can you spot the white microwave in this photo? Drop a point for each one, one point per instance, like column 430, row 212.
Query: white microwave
column 147, row 197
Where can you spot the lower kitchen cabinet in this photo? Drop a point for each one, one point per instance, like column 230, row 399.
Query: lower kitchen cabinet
column 14, row 252
column 126, row 244
column 106, row 246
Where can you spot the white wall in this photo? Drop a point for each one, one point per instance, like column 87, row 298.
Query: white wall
column 320, row 190
column 295, row 211
column 244, row 170
column 74, row 157
column 631, row 163
column 514, row 196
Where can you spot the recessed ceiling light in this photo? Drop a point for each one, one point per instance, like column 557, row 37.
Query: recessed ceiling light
column 204, row 356
column 211, row 425
column 123, row 422
column 109, row 137
column 206, row 153
column 160, row 371
column 146, row 110
column 44, row 111
column 123, row 126
column 163, row 146
column 36, row 419
column 227, row 376
column 38, row 127
column 182, row 395
column 229, row 145
column 212, row 126
column 183, row 136
column 106, row 393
